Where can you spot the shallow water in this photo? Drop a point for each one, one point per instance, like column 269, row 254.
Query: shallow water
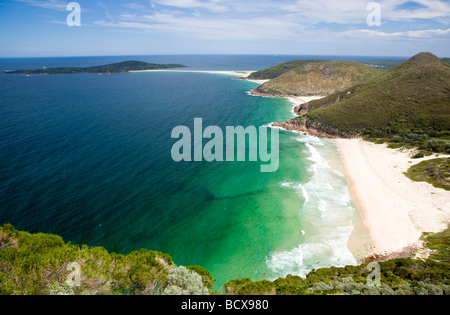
column 88, row 157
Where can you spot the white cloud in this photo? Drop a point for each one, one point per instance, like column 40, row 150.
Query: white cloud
column 330, row 11
column 56, row 5
column 224, row 29
column 133, row 6
column 210, row 5
column 295, row 20
column 422, row 34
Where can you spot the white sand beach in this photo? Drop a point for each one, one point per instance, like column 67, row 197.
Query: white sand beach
column 241, row 74
column 395, row 210
column 237, row 74
column 299, row 100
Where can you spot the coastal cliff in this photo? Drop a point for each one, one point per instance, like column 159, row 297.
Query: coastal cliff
column 301, row 125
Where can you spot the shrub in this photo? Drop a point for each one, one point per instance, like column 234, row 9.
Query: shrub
column 32, row 264
column 207, row 279
column 185, row 282
column 419, row 155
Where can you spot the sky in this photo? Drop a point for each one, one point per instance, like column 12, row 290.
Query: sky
column 39, row 28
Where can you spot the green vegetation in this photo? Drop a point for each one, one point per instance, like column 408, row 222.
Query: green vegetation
column 276, row 71
column 408, row 105
column 318, row 78
column 398, row 277
column 207, row 279
column 122, row 67
column 439, row 243
column 185, row 282
column 435, row 172
column 447, row 60
column 37, row 265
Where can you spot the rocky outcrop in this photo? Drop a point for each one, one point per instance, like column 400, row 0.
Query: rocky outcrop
column 302, row 109
column 297, row 125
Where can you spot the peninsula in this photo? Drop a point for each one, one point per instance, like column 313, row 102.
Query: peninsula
column 312, row 77
column 404, row 113
column 115, row 68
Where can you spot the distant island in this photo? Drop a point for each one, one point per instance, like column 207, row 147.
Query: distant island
column 114, row 68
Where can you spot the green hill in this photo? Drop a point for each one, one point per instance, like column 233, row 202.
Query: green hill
column 318, row 78
column 276, row 71
column 408, row 104
column 121, row 67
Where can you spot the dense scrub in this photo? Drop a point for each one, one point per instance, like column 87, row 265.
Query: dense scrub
column 409, row 104
column 398, row 277
column 435, row 172
column 37, row 264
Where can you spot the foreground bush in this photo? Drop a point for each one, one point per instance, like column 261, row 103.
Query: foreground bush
column 398, row 277
column 37, row 265
column 185, row 282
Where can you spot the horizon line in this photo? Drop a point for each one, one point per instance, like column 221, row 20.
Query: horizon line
column 145, row 55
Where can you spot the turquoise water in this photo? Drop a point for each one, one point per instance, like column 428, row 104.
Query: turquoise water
column 88, row 157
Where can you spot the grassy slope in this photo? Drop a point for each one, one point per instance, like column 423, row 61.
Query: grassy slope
column 414, row 95
column 275, row 71
column 319, row 78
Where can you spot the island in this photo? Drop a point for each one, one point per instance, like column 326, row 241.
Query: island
column 114, row 68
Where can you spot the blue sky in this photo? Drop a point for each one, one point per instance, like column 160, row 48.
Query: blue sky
column 38, row 28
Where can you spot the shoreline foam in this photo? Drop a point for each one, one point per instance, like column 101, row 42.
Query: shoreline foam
column 395, row 211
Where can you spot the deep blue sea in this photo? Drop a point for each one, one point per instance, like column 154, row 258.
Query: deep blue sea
column 88, row 157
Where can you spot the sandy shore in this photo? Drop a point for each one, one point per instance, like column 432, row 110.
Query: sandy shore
column 299, row 100
column 239, row 74
column 395, row 210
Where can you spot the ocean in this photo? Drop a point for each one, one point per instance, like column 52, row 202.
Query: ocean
column 88, row 157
